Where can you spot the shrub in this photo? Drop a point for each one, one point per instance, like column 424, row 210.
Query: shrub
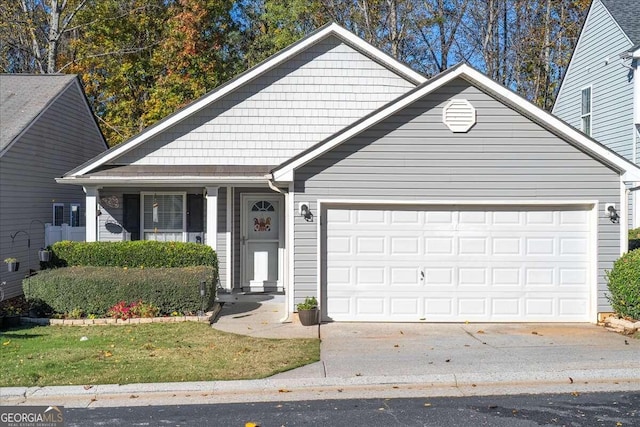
column 624, row 285
column 97, row 289
column 634, row 238
column 139, row 253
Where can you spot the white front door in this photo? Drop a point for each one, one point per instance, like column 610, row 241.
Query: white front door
column 261, row 242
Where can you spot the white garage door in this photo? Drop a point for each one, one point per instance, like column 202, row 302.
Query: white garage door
column 458, row 264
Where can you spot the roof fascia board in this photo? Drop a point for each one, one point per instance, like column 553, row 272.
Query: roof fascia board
column 166, row 180
column 38, row 116
column 87, row 106
column 631, row 171
column 616, row 22
column 378, row 55
column 244, row 78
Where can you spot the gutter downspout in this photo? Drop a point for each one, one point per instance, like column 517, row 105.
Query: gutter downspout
column 287, row 202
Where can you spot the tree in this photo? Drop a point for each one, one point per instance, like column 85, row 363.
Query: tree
column 271, row 25
column 32, row 32
column 194, row 56
column 437, row 23
column 113, row 51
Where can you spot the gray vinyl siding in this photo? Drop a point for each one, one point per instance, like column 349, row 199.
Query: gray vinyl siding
column 64, row 136
column 110, row 222
column 413, row 156
column 280, row 113
column 595, row 62
column 111, row 218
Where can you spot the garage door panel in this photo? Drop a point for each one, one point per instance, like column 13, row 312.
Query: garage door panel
column 575, row 276
column 506, row 307
column 406, row 276
column 439, row 276
column 404, row 306
column 506, row 264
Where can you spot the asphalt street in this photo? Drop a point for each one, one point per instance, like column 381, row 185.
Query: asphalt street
column 567, row 409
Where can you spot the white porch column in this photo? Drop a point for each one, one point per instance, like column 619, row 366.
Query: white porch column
column 212, row 217
column 91, row 226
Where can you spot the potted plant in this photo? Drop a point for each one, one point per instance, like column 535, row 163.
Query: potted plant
column 11, row 316
column 44, row 255
column 12, row 264
column 308, row 311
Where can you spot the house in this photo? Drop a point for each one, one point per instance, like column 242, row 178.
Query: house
column 46, row 128
column 331, row 170
column 600, row 93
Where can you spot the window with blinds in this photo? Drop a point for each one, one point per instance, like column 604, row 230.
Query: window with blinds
column 164, row 212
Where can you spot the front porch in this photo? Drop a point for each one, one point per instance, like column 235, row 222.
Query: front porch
column 261, row 315
column 249, row 223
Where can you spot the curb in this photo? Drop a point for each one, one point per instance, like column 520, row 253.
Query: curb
column 327, row 388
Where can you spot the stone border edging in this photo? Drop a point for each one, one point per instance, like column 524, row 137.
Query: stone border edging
column 44, row 321
column 624, row 326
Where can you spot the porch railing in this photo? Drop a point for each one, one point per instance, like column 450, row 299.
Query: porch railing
column 58, row 233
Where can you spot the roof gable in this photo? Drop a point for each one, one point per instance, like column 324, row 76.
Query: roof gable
column 244, row 79
column 23, row 97
column 627, row 15
column 285, row 172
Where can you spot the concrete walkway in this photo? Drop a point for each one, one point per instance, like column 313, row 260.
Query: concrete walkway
column 387, row 360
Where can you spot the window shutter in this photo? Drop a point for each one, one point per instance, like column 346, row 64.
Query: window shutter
column 195, row 213
column 131, row 215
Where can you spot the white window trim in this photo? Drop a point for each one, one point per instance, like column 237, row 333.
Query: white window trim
column 590, row 113
column 164, row 193
column 71, row 205
column 53, row 214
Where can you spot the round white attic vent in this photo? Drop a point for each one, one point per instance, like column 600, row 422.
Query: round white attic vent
column 459, row 115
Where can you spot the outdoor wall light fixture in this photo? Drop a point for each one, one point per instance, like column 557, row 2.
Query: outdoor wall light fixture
column 305, row 212
column 612, row 213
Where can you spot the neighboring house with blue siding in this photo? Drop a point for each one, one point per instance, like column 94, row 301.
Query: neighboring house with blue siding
column 46, row 127
column 600, row 93
column 332, row 170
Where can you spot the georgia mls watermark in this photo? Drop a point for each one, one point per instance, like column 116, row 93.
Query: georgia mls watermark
column 31, row 416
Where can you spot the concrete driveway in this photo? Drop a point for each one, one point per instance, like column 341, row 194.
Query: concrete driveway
column 577, row 352
column 383, row 349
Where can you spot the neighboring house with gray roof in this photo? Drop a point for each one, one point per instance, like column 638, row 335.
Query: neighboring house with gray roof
column 600, row 92
column 46, row 128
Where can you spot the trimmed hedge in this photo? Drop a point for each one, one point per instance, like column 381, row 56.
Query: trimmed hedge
column 139, row 253
column 96, row 289
column 624, row 285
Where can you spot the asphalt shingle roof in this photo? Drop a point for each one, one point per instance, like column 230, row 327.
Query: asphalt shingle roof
column 23, row 97
column 627, row 15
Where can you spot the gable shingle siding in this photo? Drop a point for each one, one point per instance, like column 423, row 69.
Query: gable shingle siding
column 284, row 111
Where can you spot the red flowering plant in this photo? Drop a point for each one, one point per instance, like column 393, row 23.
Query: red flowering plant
column 121, row 310
column 125, row 311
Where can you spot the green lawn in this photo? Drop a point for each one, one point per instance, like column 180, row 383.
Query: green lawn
column 163, row 352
